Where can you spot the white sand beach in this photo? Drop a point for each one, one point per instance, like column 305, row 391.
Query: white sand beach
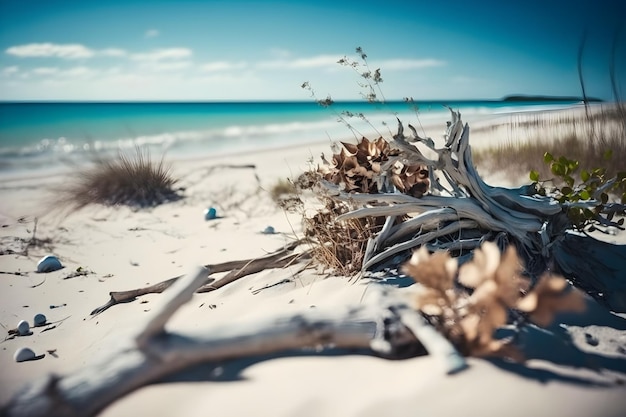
column 581, row 373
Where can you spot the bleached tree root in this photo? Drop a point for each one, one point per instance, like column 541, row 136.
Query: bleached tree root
column 386, row 327
column 461, row 210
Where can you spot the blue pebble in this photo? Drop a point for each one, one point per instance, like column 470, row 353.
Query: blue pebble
column 210, row 213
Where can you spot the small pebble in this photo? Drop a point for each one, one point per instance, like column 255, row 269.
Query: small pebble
column 39, row 320
column 24, row 354
column 210, row 213
column 49, row 263
column 23, row 328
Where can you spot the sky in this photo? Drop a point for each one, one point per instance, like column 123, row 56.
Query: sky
column 264, row 50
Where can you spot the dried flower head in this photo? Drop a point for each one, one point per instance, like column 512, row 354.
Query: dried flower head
column 494, row 277
column 551, row 295
column 356, row 167
column 436, row 273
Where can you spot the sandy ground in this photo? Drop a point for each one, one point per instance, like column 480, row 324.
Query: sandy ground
column 577, row 369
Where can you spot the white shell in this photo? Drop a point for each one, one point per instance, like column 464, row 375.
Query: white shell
column 39, row 320
column 49, row 263
column 24, row 354
column 23, row 328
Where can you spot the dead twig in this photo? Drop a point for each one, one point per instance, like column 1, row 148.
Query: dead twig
column 238, row 269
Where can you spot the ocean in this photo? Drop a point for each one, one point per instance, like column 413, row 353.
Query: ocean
column 37, row 138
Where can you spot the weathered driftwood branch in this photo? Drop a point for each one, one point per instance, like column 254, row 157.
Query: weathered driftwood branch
column 462, row 208
column 241, row 268
column 386, row 327
column 470, row 204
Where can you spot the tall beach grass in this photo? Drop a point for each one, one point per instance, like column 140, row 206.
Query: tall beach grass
column 586, row 136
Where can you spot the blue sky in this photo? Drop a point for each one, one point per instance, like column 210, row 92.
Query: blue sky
column 264, row 50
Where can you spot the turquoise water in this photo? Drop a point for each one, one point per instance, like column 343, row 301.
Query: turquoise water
column 38, row 137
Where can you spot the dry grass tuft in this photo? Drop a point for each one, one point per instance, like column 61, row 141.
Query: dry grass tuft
column 582, row 137
column 136, row 181
column 281, row 190
column 341, row 245
column 491, row 285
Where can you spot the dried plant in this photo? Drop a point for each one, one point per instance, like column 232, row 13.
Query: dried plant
column 135, row 181
column 359, row 168
column 341, row 245
column 468, row 306
column 283, row 189
column 550, row 295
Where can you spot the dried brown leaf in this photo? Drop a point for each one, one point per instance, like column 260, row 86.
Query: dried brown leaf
column 550, row 296
column 434, row 271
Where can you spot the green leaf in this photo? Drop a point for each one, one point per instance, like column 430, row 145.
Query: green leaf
column 547, row 157
column 599, row 172
column 624, row 198
column 584, row 175
column 566, row 190
column 584, row 194
column 588, row 214
column 557, row 169
column 568, row 180
column 534, row 176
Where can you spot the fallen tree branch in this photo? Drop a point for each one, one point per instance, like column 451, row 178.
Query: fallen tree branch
column 385, row 327
column 241, row 268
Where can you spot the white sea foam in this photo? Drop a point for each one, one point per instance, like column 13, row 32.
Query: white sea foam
column 220, row 137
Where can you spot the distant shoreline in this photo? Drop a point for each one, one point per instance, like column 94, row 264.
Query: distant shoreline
column 523, row 98
column 510, row 98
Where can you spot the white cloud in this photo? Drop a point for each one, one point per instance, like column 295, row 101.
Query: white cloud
column 67, row 51
column 79, row 72
column 151, row 33
column 162, row 54
column 318, row 61
column 10, row 70
column 45, row 70
column 69, row 73
column 113, row 52
column 314, row 62
column 218, row 66
column 166, row 66
column 331, row 62
column 407, row 64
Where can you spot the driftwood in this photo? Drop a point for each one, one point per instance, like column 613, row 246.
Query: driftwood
column 385, row 327
column 461, row 210
column 238, row 269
